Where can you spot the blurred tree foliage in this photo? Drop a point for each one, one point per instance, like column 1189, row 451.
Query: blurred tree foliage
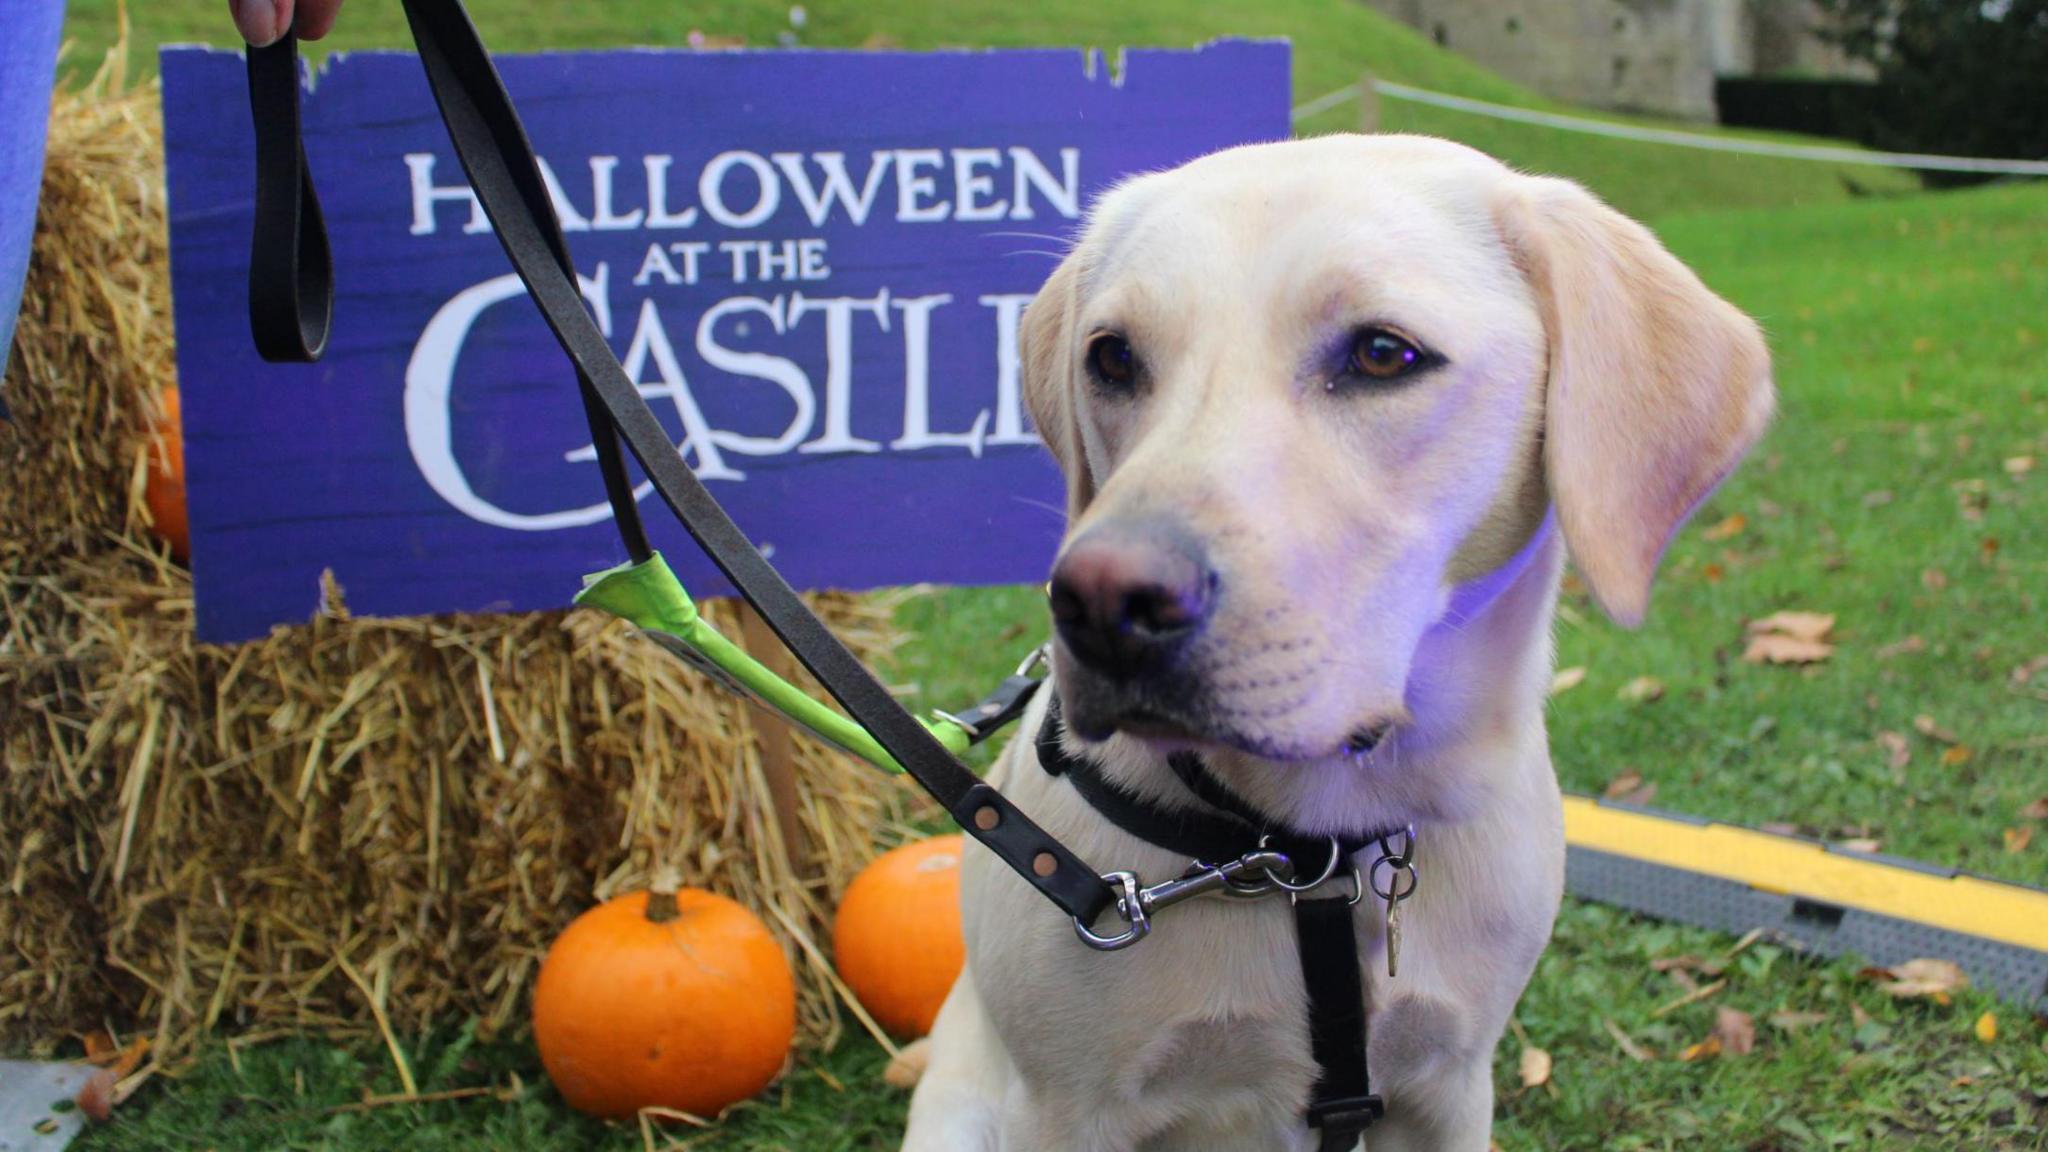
column 1963, row 77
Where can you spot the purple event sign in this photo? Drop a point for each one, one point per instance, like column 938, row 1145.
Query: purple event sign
column 813, row 263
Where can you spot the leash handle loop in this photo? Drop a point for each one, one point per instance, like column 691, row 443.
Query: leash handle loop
column 291, row 270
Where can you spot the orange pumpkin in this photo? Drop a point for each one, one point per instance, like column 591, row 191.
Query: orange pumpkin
column 164, row 491
column 675, row 999
column 897, row 937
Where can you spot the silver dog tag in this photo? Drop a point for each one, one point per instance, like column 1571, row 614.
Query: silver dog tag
column 1393, row 937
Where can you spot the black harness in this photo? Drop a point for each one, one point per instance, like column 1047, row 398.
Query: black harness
column 291, row 294
column 1227, row 829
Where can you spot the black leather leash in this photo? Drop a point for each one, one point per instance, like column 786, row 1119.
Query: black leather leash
column 1342, row 1104
column 291, row 294
column 291, row 309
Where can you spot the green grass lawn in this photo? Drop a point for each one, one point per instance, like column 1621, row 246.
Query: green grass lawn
column 1842, row 1066
column 1911, row 336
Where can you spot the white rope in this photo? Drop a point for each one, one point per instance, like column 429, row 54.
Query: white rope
column 1325, row 102
column 1914, row 160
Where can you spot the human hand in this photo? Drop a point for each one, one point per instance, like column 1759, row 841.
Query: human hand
column 263, row 21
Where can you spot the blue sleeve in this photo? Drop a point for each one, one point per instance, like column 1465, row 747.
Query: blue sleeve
column 28, row 66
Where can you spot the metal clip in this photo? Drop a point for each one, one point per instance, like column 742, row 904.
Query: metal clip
column 1130, row 905
column 1263, row 872
column 1040, row 657
column 1227, row 879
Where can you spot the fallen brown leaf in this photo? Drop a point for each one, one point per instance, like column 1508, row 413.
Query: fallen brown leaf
column 1628, row 787
column 1535, row 1067
column 1924, row 978
column 1802, row 625
column 1626, row 1043
column 1641, row 690
column 2018, row 465
column 1685, row 963
column 1567, row 679
column 1925, row 725
column 2025, row 672
column 1956, row 755
column 1897, row 751
column 1728, row 528
column 1972, row 497
column 1912, row 643
column 1709, row 1047
column 1793, row 1021
column 1864, row 844
column 2017, row 839
column 1877, row 498
column 1933, row 579
column 1774, row 648
column 1625, row 782
column 1986, row 1028
column 2036, row 809
column 1736, row 1030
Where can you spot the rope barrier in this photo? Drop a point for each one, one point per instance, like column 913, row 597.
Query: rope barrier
column 1917, row 161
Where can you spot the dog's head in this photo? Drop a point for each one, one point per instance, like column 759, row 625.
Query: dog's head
column 1302, row 391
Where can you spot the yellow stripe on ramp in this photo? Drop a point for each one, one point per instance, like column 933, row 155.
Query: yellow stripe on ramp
column 2007, row 913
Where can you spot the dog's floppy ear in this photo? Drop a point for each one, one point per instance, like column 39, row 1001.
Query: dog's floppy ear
column 1656, row 388
column 1046, row 352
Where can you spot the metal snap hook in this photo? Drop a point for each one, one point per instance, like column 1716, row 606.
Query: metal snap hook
column 1130, row 906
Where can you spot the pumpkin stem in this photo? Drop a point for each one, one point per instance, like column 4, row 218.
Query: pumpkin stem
column 661, row 896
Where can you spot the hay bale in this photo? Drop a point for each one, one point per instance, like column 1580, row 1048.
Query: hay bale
column 408, row 810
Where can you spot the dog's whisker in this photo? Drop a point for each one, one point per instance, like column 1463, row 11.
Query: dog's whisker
column 1042, row 506
column 1068, row 240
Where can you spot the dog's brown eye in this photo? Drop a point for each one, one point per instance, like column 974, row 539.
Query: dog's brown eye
column 1378, row 354
column 1111, row 360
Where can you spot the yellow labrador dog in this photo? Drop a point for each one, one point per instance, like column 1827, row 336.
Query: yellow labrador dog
column 1331, row 413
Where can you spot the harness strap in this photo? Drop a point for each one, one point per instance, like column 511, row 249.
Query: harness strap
column 1342, row 1104
column 493, row 148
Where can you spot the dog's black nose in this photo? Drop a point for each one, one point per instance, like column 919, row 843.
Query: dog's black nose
column 1126, row 595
